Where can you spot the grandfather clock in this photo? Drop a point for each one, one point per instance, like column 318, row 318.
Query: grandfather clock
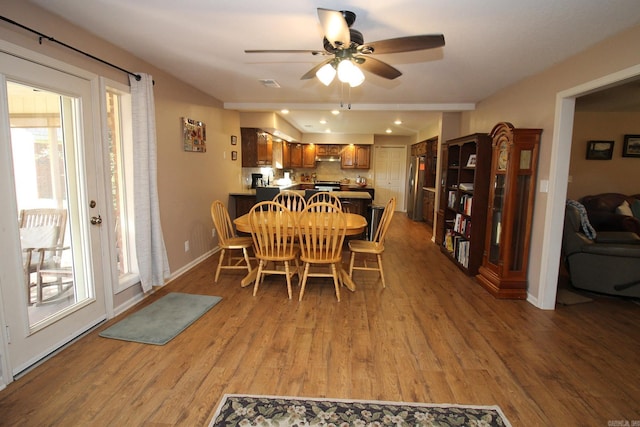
column 512, row 189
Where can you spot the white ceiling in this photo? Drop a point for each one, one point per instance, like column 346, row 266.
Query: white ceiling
column 490, row 44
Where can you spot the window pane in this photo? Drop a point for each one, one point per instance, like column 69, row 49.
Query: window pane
column 117, row 164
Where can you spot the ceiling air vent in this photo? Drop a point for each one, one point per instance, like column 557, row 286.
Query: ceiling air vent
column 269, row 83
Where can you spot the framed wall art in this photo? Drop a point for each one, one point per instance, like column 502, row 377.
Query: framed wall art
column 234, row 140
column 631, row 147
column 234, row 155
column 599, row 150
column 194, row 135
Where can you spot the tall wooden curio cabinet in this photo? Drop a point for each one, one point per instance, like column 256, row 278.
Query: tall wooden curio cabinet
column 511, row 193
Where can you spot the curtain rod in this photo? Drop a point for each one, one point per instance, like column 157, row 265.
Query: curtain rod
column 51, row 39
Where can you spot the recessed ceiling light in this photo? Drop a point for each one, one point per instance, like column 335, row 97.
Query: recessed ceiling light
column 388, row 130
column 323, row 122
column 335, row 112
column 398, row 122
column 284, row 111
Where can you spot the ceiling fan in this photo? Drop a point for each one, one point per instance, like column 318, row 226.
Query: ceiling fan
column 349, row 52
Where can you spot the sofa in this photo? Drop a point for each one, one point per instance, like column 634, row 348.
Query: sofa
column 606, row 262
column 613, row 212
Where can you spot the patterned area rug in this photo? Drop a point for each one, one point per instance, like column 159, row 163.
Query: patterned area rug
column 247, row 410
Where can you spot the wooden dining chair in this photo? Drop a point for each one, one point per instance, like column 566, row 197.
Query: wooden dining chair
column 373, row 247
column 321, row 231
column 273, row 233
column 324, row 197
column 292, row 200
column 229, row 241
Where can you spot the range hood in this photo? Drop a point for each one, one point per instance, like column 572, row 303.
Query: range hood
column 328, row 158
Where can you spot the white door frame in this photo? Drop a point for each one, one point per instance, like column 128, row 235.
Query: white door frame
column 558, row 182
column 91, row 136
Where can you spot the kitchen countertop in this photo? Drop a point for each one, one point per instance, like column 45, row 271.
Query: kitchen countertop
column 340, row 194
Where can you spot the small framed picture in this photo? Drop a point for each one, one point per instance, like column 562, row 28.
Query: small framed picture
column 234, row 140
column 234, row 155
column 631, row 147
column 600, row 150
column 471, row 163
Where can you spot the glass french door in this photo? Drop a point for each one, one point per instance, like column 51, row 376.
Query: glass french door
column 52, row 279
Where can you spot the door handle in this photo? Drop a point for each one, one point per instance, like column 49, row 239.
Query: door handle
column 96, row 220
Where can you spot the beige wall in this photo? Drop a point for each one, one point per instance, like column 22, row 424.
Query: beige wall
column 188, row 182
column 532, row 103
column 618, row 175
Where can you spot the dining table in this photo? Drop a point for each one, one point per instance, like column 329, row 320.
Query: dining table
column 356, row 224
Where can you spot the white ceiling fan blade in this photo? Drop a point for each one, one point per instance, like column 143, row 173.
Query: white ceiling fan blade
column 335, row 27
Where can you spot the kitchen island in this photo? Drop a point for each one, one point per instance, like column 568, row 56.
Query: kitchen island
column 352, row 201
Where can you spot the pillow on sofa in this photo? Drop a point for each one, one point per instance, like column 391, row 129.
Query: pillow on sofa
column 635, row 208
column 624, row 209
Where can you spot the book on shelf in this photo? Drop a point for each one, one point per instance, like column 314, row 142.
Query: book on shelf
column 448, row 240
column 466, row 186
column 461, row 251
column 457, row 225
column 465, row 204
column 451, row 202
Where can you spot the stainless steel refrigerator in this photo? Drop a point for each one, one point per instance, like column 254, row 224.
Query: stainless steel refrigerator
column 417, row 173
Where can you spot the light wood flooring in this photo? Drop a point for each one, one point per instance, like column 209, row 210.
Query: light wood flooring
column 433, row 335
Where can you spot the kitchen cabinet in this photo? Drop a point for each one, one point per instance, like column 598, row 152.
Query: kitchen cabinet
column 428, row 202
column 249, row 144
column 244, row 204
column 328, row 150
column 295, row 155
column 286, row 155
column 356, row 157
column 309, row 156
column 277, row 153
column 265, row 149
column 257, row 147
column 356, row 206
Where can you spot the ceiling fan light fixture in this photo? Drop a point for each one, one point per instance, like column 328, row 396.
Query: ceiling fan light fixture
column 345, row 70
column 326, row 74
column 348, row 72
column 356, row 78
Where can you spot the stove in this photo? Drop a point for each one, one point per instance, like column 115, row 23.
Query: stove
column 327, row 185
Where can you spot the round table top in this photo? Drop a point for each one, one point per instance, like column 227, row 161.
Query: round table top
column 355, row 223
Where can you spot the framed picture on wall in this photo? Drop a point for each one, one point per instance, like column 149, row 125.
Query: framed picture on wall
column 234, row 140
column 599, row 150
column 194, row 135
column 631, row 147
column 234, row 155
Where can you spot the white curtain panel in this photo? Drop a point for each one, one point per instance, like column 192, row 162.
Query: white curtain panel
column 153, row 263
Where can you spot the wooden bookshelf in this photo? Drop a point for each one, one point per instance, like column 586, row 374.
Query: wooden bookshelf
column 464, row 194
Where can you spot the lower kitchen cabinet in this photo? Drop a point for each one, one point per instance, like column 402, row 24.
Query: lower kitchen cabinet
column 244, row 204
column 428, row 205
column 356, row 206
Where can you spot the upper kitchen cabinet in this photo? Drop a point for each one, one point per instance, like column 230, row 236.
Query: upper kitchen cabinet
column 328, row 150
column 356, row 157
column 257, row 147
column 295, row 155
column 286, row 155
column 249, row 144
column 309, row 156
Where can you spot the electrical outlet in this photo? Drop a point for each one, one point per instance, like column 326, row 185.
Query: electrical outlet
column 186, row 246
column 213, row 232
